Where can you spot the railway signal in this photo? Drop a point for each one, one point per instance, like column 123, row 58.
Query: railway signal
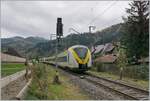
column 59, row 34
column 59, row 29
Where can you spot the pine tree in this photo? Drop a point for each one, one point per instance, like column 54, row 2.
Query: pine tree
column 136, row 34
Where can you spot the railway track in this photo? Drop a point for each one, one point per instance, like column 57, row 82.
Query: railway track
column 128, row 91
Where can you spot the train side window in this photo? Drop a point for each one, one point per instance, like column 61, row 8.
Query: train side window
column 68, row 57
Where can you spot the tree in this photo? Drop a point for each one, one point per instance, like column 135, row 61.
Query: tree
column 12, row 51
column 121, row 61
column 136, row 30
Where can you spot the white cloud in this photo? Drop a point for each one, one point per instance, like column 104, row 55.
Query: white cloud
column 38, row 18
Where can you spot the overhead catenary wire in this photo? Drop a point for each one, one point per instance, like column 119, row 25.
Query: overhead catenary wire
column 92, row 9
column 103, row 12
column 112, row 20
column 120, row 26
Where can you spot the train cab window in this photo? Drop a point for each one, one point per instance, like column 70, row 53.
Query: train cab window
column 81, row 52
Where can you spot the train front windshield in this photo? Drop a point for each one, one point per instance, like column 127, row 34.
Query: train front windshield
column 81, row 52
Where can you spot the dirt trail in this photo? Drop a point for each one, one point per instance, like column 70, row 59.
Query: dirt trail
column 12, row 89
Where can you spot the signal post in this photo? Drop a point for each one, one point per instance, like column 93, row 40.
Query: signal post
column 59, row 34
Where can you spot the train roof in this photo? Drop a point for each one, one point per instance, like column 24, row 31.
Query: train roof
column 75, row 46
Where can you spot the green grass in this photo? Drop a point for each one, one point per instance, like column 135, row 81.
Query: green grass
column 135, row 82
column 11, row 68
column 63, row 91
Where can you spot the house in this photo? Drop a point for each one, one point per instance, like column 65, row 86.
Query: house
column 106, row 62
column 110, row 58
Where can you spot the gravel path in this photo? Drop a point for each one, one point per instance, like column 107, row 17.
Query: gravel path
column 12, row 89
column 94, row 91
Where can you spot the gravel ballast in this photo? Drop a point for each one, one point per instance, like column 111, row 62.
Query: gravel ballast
column 94, row 91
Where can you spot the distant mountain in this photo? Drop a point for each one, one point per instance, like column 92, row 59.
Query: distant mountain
column 36, row 46
column 110, row 34
column 35, row 40
column 20, row 44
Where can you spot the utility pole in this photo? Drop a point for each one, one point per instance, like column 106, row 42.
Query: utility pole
column 90, row 28
column 92, row 45
column 90, row 31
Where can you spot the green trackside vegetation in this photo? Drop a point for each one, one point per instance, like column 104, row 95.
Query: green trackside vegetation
column 63, row 91
column 11, row 68
column 135, row 82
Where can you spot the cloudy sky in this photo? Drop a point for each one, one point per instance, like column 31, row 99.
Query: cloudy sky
column 38, row 18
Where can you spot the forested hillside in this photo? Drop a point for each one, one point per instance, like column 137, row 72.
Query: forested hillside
column 35, row 46
column 112, row 33
column 19, row 45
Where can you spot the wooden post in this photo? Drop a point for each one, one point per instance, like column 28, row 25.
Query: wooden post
column 121, row 73
column 56, row 78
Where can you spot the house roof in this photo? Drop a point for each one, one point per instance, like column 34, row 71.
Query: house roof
column 97, row 49
column 108, row 47
column 106, row 58
column 102, row 48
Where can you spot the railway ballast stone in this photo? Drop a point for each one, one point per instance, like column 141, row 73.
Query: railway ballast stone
column 94, row 91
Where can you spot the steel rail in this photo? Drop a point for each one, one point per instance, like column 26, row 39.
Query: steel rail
column 140, row 89
column 107, row 87
column 129, row 87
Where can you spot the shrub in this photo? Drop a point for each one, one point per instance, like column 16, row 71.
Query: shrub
column 137, row 71
column 132, row 71
column 40, row 77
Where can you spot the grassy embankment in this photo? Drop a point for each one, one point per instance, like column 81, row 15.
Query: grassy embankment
column 11, row 68
column 63, row 91
column 135, row 82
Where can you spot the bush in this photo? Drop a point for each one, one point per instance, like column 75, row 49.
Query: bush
column 41, row 81
column 137, row 71
column 132, row 71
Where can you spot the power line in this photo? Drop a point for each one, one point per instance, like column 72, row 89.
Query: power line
column 120, row 26
column 102, row 12
column 92, row 9
column 113, row 20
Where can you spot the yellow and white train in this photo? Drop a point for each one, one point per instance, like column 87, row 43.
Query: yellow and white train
column 77, row 57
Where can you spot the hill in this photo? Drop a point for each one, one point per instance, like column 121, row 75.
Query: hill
column 19, row 44
column 100, row 37
column 36, row 46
